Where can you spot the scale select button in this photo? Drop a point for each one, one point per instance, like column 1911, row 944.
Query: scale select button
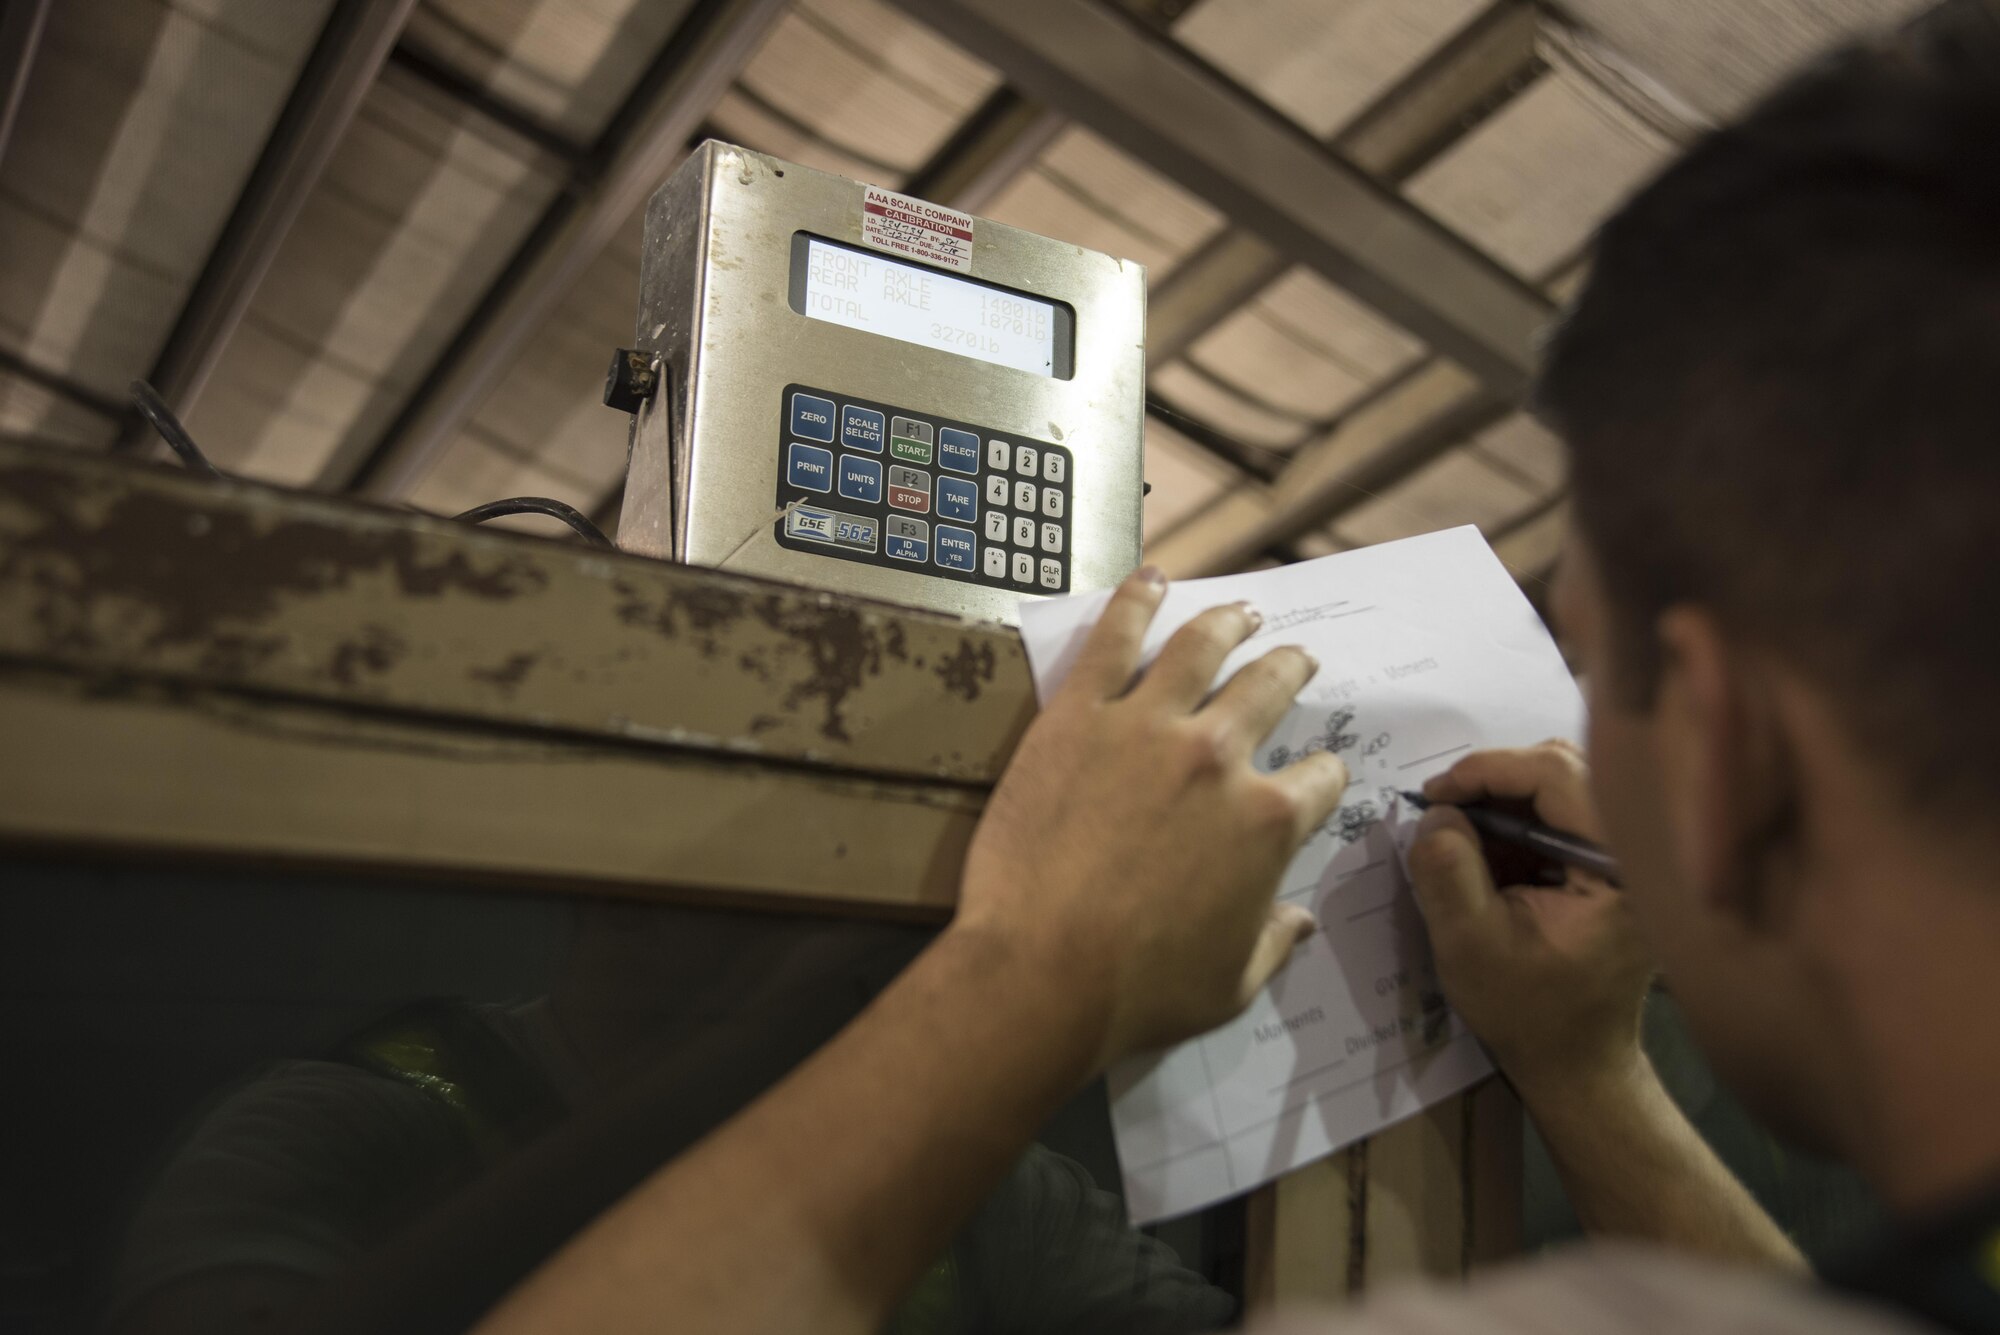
column 957, row 450
column 812, row 417
column 861, row 479
column 957, row 548
column 860, row 428
column 809, row 467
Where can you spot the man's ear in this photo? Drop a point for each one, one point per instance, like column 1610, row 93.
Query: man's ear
column 1725, row 777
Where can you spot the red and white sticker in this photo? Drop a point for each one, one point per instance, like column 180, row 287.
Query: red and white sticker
column 923, row 231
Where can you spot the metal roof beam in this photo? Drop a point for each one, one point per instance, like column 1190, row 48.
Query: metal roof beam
column 351, row 49
column 647, row 139
column 1479, row 70
column 20, row 36
column 1167, row 109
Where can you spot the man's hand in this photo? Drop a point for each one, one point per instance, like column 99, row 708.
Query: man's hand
column 1130, row 853
column 1551, row 978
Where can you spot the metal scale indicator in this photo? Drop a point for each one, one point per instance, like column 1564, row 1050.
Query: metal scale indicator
column 866, row 392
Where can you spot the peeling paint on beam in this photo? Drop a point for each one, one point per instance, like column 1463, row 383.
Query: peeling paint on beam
column 128, row 570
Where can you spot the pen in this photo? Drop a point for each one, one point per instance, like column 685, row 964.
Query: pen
column 1522, row 832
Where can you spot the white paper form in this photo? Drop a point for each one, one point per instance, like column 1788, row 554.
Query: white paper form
column 1427, row 650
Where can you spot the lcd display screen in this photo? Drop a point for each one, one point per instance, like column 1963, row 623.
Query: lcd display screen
column 866, row 290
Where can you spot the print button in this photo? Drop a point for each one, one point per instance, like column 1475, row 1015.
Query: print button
column 809, row 467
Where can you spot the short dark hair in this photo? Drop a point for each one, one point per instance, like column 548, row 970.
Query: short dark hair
column 1780, row 389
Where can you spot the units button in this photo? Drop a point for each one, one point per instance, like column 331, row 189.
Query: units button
column 812, row 417
column 1052, row 538
column 1054, row 466
column 1052, row 503
column 1051, row 573
column 861, row 479
column 1024, row 496
column 998, row 453
column 1024, row 568
column 993, row 561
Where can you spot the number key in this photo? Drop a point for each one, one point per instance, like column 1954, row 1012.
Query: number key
column 1024, row 496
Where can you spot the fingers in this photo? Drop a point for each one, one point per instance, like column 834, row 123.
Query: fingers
column 1180, row 677
column 1111, row 655
column 1284, row 929
column 1254, row 700
column 1553, row 776
column 1448, row 875
column 1315, row 784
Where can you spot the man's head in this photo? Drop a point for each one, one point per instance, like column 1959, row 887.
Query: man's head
column 1781, row 396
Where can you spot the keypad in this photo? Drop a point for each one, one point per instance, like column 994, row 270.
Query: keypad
column 906, row 489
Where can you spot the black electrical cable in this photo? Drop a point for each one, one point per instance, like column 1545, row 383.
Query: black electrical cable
column 538, row 505
column 155, row 410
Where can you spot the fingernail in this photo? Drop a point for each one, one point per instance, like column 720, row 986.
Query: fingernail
column 1312, row 660
column 1256, row 617
column 1153, row 575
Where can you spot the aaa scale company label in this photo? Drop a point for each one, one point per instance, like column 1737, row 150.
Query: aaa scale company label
column 923, row 231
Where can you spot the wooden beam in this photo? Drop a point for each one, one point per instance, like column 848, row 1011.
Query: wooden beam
column 108, row 568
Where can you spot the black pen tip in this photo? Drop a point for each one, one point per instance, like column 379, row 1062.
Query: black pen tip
column 1417, row 800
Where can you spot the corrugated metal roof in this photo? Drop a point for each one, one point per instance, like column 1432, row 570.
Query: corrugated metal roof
column 144, row 118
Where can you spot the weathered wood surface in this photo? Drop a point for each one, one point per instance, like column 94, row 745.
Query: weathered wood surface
column 193, row 669
column 150, row 572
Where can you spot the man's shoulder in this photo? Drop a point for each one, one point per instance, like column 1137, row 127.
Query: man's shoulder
column 1617, row 1288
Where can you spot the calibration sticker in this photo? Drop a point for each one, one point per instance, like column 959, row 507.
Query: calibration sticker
column 923, row 231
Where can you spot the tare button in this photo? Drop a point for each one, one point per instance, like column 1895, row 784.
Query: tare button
column 812, row 417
